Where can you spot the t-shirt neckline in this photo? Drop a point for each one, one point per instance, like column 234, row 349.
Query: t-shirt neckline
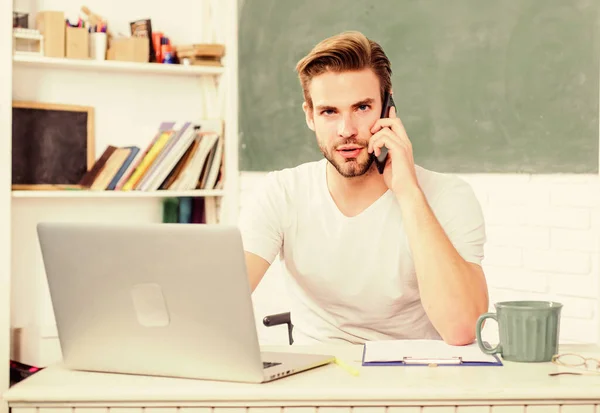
column 325, row 189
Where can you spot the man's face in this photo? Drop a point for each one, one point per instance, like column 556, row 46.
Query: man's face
column 345, row 107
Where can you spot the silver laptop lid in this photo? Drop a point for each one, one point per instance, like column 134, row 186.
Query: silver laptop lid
column 158, row 299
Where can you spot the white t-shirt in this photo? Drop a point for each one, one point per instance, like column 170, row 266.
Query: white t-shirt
column 352, row 279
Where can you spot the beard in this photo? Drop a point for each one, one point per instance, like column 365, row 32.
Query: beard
column 348, row 167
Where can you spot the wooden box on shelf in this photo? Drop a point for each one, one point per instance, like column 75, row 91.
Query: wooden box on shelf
column 51, row 24
column 77, row 43
column 129, row 49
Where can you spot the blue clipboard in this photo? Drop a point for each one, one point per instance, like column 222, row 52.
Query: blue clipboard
column 410, row 361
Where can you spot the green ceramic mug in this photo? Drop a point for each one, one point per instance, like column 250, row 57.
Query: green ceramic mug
column 529, row 330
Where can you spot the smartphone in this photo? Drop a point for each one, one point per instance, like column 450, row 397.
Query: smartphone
column 380, row 160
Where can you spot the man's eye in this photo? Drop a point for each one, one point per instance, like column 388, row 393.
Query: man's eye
column 327, row 112
column 363, row 107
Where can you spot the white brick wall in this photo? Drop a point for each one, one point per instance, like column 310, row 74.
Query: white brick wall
column 543, row 244
column 551, row 222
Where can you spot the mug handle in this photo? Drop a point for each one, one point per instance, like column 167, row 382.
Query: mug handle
column 482, row 346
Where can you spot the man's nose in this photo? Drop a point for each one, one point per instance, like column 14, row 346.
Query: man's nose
column 347, row 127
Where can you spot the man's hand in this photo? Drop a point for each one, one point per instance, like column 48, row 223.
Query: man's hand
column 399, row 174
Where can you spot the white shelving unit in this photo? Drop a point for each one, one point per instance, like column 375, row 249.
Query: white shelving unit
column 116, row 66
column 129, row 100
column 5, row 198
column 116, row 194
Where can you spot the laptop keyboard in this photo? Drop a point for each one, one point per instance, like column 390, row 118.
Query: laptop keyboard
column 267, row 364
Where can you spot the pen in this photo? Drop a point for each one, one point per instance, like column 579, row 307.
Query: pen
column 346, row 367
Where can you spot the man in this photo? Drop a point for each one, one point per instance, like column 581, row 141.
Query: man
column 367, row 256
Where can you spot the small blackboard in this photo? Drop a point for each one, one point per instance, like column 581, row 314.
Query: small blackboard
column 52, row 144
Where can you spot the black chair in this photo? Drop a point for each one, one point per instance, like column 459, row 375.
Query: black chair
column 278, row 319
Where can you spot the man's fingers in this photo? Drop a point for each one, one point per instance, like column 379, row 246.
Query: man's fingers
column 393, row 112
column 384, row 137
column 395, row 124
column 376, row 137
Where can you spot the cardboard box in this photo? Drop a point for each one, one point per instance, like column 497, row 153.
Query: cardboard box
column 77, row 43
column 36, row 345
column 129, row 49
column 51, row 24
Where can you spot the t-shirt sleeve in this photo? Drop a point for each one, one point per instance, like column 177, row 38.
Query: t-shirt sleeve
column 458, row 211
column 260, row 219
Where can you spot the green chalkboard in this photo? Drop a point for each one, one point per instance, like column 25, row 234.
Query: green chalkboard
column 481, row 85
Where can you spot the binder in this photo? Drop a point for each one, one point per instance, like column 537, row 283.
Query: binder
column 424, row 353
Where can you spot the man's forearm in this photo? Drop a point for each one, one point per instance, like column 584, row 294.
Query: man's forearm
column 453, row 291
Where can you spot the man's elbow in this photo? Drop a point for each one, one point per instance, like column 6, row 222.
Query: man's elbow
column 462, row 332
column 459, row 336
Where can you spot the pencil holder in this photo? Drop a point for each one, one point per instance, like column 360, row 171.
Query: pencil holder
column 98, row 46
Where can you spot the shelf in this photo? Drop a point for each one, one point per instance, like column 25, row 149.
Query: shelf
column 114, row 194
column 117, row 66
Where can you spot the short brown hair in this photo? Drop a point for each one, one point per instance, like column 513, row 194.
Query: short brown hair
column 347, row 51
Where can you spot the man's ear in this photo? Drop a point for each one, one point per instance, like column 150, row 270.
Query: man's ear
column 308, row 113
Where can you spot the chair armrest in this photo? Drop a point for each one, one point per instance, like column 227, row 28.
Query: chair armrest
column 281, row 318
column 276, row 319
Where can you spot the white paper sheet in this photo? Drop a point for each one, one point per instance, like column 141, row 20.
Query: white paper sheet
column 397, row 350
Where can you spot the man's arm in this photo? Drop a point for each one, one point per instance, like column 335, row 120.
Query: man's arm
column 260, row 224
column 453, row 291
column 256, row 267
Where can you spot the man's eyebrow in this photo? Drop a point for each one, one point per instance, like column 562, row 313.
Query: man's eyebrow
column 367, row 101
column 325, row 107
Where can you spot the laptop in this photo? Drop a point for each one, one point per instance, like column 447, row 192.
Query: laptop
column 159, row 299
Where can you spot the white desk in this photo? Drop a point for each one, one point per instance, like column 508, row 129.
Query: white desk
column 515, row 387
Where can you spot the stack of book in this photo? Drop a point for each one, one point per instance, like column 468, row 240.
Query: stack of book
column 181, row 157
column 206, row 54
column 191, row 210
